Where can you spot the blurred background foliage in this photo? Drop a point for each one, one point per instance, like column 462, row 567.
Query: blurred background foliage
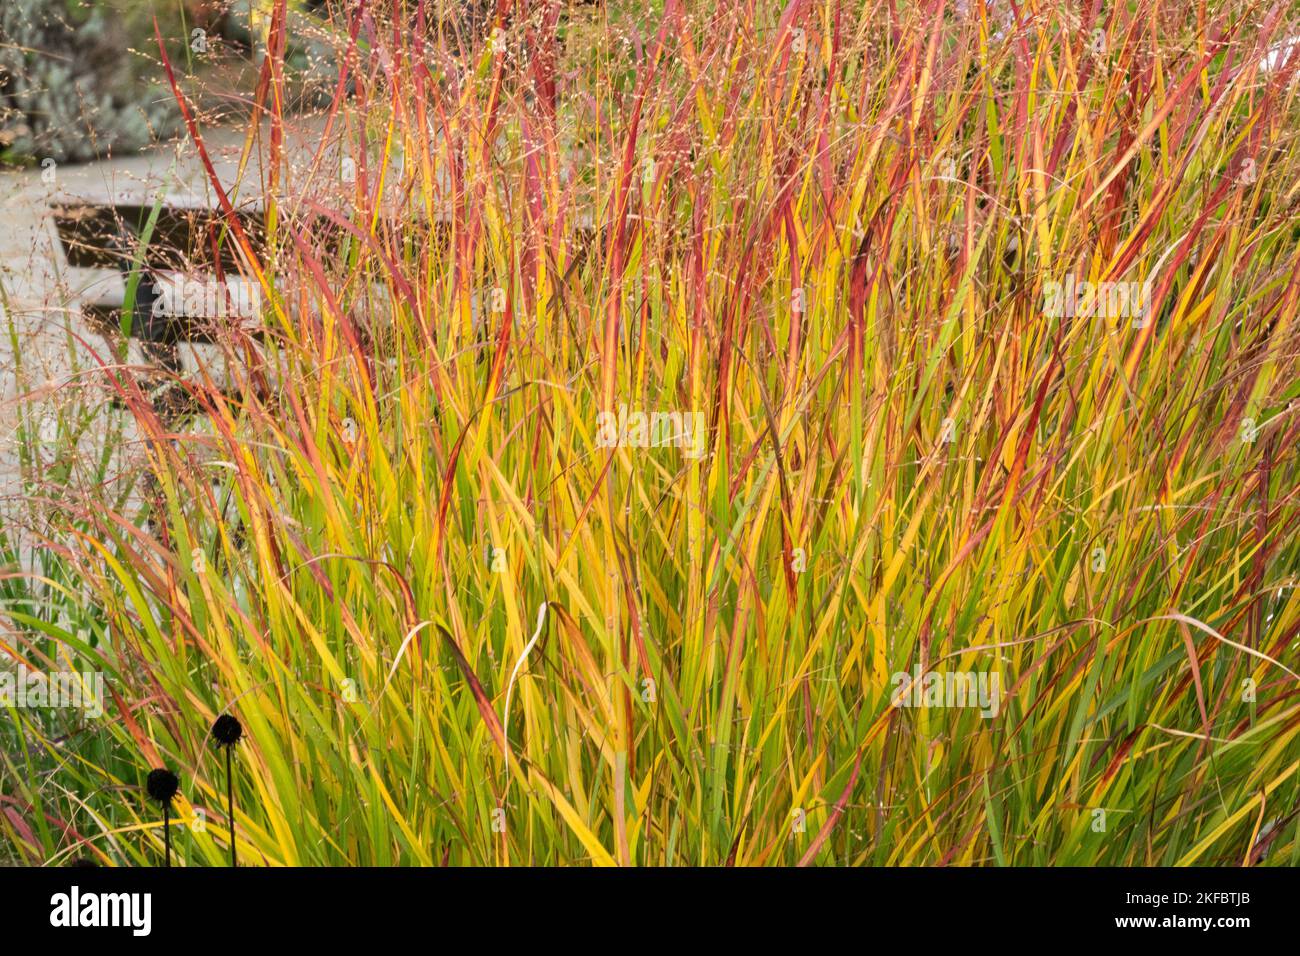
column 80, row 79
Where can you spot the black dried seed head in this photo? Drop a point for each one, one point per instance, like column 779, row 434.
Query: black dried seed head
column 82, row 863
column 226, row 730
column 162, row 785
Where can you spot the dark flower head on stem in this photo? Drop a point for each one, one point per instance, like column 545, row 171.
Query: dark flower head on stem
column 162, row 785
column 226, row 730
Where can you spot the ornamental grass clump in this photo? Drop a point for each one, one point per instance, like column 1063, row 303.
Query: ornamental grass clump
column 824, row 232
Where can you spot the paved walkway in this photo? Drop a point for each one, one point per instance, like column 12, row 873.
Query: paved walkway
column 46, row 344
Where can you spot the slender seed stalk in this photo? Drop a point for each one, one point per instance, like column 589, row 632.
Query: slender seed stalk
column 227, row 731
column 162, row 786
column 230, row 803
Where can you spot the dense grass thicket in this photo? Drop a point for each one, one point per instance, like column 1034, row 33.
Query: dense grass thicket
column 467, row 616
